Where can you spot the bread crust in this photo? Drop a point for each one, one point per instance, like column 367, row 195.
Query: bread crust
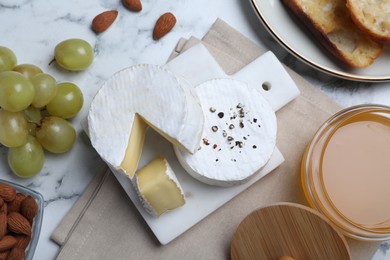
column 322, row 32
column 370, row 30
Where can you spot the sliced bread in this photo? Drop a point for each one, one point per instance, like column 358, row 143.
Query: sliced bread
column 372, row 17
column 330, row 22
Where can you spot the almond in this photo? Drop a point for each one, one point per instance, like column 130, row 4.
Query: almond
column 163, row 25
column 3, row 224
column 28, row 208
column 22, row 241
column 4, row 208
column 1, row 202
column 18, row 224
column 133, row 5
column 6, row 243
column 16, row 254
column 7, row 192
column 102, row 21
column 15, row 204
column 4, row 255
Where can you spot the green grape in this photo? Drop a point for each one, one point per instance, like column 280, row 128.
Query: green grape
column 7, row 59
column 16, row 91
column 26, row 160
column 28, row 70
column 74, row 54
column 67, row 102
column 31, row 127
column 45, row 89
column 13, row 128
column 33, row 114
column 56, row 134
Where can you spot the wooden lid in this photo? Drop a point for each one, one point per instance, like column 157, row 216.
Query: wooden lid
column 287, row 229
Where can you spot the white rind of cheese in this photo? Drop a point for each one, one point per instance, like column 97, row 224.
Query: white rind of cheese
column 160, row 187
column 151, row 93
column 222, row 161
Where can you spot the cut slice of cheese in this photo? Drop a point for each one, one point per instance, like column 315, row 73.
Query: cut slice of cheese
column 138, row 97
column 239, row 134
column 158, row 188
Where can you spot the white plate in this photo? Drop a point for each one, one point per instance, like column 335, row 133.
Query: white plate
column 292, row 35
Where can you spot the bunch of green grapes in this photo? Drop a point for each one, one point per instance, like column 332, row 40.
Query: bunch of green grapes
column 33, row 113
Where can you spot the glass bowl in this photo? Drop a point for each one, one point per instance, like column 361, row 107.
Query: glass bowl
column 314, row 172
column 37, row 224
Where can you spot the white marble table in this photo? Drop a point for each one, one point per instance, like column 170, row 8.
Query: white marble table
column 32, row 28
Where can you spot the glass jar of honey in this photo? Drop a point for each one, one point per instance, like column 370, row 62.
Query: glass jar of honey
column 345, row 171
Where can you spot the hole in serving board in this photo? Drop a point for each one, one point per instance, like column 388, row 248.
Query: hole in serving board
column 266, row 86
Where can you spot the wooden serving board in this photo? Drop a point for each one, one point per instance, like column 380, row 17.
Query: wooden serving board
column 287, row 229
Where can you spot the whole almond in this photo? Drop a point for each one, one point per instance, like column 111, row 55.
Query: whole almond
column 18, row 224
column 15, row 204
column 22, row 241
column 164, row 25
column 3, row 224
column 4, row 255
column 6, row 243
column 1, row 202
column 16, row 254
column 29, row 208
column 7, row 192
column 102, row 21
column 4, row 208
column 133, row 5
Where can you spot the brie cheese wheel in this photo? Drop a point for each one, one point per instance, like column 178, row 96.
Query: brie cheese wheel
column 158, row 188
column 239, row 134
column 134, row 99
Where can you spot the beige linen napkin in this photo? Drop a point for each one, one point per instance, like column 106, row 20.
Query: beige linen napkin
column 104, row 224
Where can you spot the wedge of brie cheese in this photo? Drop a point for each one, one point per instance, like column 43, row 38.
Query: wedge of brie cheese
column 158, row 188
column 134, row 99
column 239, row 134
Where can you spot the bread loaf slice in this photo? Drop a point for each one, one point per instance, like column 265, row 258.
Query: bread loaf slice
column 330, row 22
column 372, row 17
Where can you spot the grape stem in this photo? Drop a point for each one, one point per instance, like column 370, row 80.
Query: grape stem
column 33, row 122
column 53, row 60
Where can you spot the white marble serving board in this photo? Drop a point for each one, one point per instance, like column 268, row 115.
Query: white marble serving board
column 197, row 65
